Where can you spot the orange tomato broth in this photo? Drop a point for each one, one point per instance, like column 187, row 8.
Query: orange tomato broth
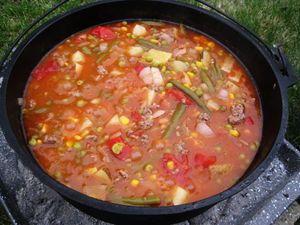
column 86, row 107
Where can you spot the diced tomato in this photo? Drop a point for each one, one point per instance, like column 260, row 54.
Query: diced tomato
column 125, row 151
column 180, row 96
column 45, row 69
column 103, row 32
column 136, row 116
column 78, row 39
column 205, row 161
column 112, row 141
column 249, row 121
column 139, row 68
column 181, row 165
column 210, row 160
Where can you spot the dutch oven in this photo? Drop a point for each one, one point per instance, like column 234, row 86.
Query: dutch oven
column 267, row 66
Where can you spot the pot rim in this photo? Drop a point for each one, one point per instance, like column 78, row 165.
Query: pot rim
column 132, row 210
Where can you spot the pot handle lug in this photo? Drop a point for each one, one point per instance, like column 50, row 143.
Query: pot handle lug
column 289, row 75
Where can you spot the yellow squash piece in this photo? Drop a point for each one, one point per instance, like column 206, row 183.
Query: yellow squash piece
column 157, row 57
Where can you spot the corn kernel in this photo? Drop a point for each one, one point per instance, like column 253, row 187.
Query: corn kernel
column 234, row 133
column 134, row 182
column 124, row 29
column 163, row 69
column 187, row 85
column 194, row 134
column 190, row 74
column 124, row 120
column 173, row 72
column 91, row 170
column 170, row 165
column 199, row 48
column 163, row 93
column 39, row 141
column 77, row 137
column 199, row 64
column 84, row 133
column 211, row 44
column 154, row 41
column 231, row 95
column 69, row 144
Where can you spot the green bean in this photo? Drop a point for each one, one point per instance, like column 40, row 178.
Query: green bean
column 141, row 201
column 153, row 23
column 41, row 110
column 204, row 77
column 178, row 113
column 86, row 50
column 101, row 57
column 148, row 44
column 191, row 94
column 215, row 69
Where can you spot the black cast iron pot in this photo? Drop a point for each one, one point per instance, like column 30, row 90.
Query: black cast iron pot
column 268, row 68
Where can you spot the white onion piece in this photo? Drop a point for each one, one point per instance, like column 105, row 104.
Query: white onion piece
column 203, row 129
column 139, row 30
column 157, row 77
column 223, row 94
column 212, row 105
column 146, row 75
column 103, row 47
column 179, row 51
column 206, row 96
column 166, row 37
column 158, row 113
column 228, row 64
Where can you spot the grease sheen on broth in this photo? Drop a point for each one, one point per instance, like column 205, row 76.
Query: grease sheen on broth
column 142, row 113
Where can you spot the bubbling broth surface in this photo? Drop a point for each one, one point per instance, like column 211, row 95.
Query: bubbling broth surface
column 142, row 113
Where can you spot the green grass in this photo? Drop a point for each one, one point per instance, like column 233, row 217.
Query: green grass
column 275, row 21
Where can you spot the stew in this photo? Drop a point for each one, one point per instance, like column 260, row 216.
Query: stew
column 144, row 113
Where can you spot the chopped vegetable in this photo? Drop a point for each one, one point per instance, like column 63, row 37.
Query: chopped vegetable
column 157, row 57
column 203, row 129
column 41, row 110
column 180, row 196
column 215, row 70
column 191, row 94
column 114, row 120
column 134, row 182
column 124, row 120
column 32, row 141
column 180, row 96
column 234, row 133
column 178, row 113
column 179, row 66
column 119, row 147
column 44, row 69
column 228, row 64
column 139, row 30
column 103, row 32
column 142, row 201
column 78, row 57
column 135, row 51
column 204, row 161
column 212, row 105
column 204, row 77
column 86, row 50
